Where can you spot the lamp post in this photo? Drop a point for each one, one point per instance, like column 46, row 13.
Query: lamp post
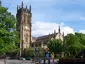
column 5, row 58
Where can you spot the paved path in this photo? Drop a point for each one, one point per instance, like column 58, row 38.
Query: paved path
column 16, row 62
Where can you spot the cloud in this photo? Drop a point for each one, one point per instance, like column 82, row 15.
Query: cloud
column 82, row 31
column 70, row 12
column 44, row 28
column 68, row 30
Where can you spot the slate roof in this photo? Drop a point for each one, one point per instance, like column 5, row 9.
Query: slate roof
column 45, row 38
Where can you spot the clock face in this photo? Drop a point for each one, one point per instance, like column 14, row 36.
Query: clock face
column 26, row 27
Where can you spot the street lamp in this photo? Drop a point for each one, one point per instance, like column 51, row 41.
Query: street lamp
column 5, row 58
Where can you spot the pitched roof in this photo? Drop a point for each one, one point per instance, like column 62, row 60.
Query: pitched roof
column 45, row 38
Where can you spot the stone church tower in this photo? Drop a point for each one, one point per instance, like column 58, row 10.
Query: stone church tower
column 24, row 26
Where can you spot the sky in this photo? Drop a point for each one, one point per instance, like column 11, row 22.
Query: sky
column 48, row 15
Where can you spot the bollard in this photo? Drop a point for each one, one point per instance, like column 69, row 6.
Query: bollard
column 4, row 61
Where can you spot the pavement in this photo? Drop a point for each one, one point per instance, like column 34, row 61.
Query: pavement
column 2, row 61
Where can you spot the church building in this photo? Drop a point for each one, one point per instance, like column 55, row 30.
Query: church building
column 24, row 26
column 42, row 41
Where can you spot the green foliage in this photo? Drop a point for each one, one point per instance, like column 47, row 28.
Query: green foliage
column 28, row 52
column 41, row 52
column 55, row 46
column 13, row 53
column 81, row 37
column 8, row 34
column 73, row 44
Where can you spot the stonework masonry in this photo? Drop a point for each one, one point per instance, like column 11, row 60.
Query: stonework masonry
column 24, row 25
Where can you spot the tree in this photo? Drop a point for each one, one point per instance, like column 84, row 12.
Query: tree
column 81, row 37
column 73, row 45
column 8, row 34
column 55, row 46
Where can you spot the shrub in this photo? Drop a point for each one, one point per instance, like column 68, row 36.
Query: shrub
column 41, row 52
column 28, row 52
